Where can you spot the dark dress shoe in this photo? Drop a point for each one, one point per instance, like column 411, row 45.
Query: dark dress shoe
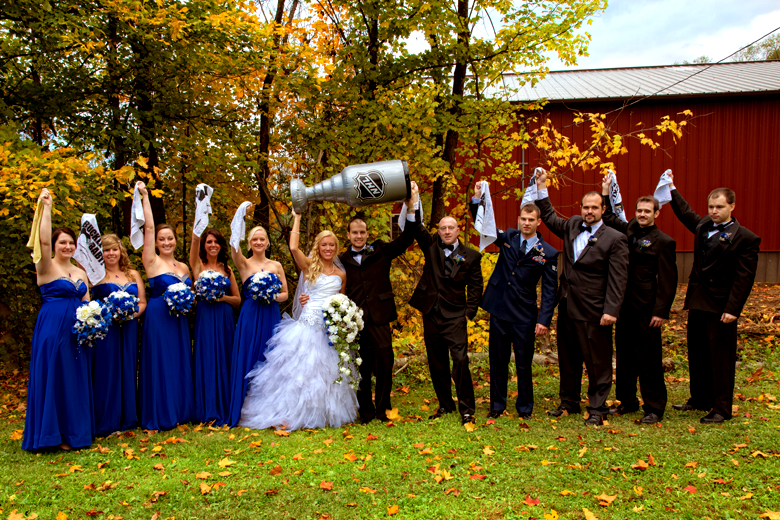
column 525, row 417
column 650, row 418
column 495, row 414
column 712, row 418
column 623, row 410
column 557, row 412
column 594, row 420
column 439, row 413
column 467, row 418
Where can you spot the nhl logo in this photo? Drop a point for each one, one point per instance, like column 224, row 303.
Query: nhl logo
column 370, row 185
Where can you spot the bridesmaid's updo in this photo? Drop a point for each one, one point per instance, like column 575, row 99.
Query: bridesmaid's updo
column 111, row 241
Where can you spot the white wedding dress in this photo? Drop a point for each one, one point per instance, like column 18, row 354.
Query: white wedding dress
column 294, row 388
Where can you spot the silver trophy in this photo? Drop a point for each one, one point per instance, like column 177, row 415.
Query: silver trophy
column 359, row 185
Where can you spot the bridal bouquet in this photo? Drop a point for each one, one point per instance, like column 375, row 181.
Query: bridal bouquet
column 211, row 285
column 344, row 321
column 179, row 298
column 92, row 322
column 122, row 305
column 264, row 286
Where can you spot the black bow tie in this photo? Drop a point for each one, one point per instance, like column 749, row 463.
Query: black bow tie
column 356, row 253
column 450, row 247
column 583, row 227
column 719, row 227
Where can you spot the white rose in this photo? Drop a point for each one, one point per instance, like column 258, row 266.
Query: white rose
column 358, row 361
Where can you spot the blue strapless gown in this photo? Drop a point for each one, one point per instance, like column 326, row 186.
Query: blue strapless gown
column 59, row 393
column 214, row 331
column 165, row 378
column 114, row 370
column 255, row 326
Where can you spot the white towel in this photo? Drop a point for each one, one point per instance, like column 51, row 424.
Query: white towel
column 238, row 226
column 485, row 222
column 529, row 197
column 89, row 249
column 615, row 198
column 137, row 220
column 202, row 208
column 663, row 192
column 403, row 215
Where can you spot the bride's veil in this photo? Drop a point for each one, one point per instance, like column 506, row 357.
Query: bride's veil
column 297, row 308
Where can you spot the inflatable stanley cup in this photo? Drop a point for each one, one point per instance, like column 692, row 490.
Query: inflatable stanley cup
column 358, row 185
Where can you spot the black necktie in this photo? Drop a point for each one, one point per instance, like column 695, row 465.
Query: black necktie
column 583, row 227
column 449, row 247
column 718, row 227
column 525, row 244
column 356, row 253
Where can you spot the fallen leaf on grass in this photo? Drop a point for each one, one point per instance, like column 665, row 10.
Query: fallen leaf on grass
column 275, row 470
column 771, row 515
column 722, row 481
column 638, row 490
column 691, row 464
column 93, row 512
column 371, row 437
column 531, row 501
column 690, row 489
column 282, row 433
column 326, row 485
column 203, row 475
column 224, row 463
column 746, row 497
column 759, row 454
column 204, row 488
column 650, row 459
column 15, row 516
column 488, row 451
column 638, row 509
column 566, row 492
column 582, row 451
column 418, row 446
column 640, row 465
column 75, row 468
column 477, row 476
column 470, row 427
column 298, row 456
column 452, row 490
column 393, row 414
column 17, row 435
column 366, row 489
column 552, row 515
column 270, row 492
column 606, row 500
column 588, row 514
column 350, row 457
column 426, row 451
column 224, row 473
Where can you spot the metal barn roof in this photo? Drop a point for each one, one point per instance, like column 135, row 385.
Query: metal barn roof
column 668, row 81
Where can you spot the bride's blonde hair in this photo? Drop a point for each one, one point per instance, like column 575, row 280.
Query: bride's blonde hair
column 316, row 265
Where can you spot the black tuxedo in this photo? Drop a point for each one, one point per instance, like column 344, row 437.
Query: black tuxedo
column 510, row 298
column 652, row 283
column 368, row 285
column 590, row 286
column 447, row 295
column 724, row 269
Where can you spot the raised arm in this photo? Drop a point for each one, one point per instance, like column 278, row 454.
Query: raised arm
column 301, row 260
column 238, row 258
column 553, row 222
column 44, row 233
column 195, row 263
column 689, row 218
column 399, row 246
column 149, row 257
column 609, row 217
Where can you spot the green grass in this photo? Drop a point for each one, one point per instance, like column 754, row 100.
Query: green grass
column 540, row 461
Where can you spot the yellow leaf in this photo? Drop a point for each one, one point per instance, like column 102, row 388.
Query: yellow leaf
column 224, row 473
column 156, row 193
column 426, row 451
column 142, row 162
column 75, row 468
column 61, row 516
column 566, row 492
column 15, row 516
column 771, row 515
column 203, row 475
column 17, row 435
column 749, row 495
column 638, row 490
column 606, row 500
column 588, row 514
column 638, row 509
column 224, row 463
column 204, row 488
column 470, row 426
column 582, row 451
column 488, row 451
column 446, row 474
column 552, row 515
column 393, row 414
column 366, row 489
column 298, row 456
column 392, row 510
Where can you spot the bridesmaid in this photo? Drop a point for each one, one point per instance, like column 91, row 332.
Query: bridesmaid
column 214, row 330
column 59, row 392
column 115, row 358
column 165, row 376
column 257, row 321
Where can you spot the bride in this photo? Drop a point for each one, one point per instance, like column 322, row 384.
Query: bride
column 294, row 388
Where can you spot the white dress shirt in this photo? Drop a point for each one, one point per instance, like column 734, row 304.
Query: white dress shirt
column 581, row 241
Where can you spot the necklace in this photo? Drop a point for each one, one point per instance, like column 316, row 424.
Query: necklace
column 332, row 270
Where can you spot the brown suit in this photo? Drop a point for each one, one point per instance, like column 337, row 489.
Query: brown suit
column 590, row 286
column 724, row 269
column 448, row 294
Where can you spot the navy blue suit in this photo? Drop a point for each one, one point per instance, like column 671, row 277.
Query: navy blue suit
column 510, row 298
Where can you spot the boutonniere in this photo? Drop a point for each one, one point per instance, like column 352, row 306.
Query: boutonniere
column 458, row 259
column 369, row 249
column 644, row 244
column 724, row 237
column 540, row 260
column 592, row 241
column 538, row 249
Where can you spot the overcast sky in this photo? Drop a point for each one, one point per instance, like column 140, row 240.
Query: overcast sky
column 660, row 32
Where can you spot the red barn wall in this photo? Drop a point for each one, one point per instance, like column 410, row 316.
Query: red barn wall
column 732, row 142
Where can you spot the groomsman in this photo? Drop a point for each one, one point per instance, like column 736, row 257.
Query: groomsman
column 593, row 276
column 652, row 283
column 510, row 298
column 368, row 285
column 725, row 257
column 448, row 295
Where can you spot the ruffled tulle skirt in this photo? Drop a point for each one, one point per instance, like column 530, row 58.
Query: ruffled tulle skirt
column 294, row 388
